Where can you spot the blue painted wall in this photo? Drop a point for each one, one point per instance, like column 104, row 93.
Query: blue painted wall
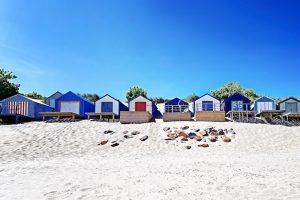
column 85, row 105
column 265, row 99
column 235, row 97
column 34, row 108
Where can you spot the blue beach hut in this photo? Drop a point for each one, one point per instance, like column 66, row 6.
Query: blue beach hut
column 236, row 103
column 71, row 102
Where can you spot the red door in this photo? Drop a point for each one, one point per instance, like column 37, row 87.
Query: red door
column 140, row 106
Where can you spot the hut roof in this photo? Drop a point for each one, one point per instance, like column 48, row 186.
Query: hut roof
column 176, row 101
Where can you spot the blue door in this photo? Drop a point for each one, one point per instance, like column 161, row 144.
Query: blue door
column 237, row 106
column 207, row 106
column 106, row 107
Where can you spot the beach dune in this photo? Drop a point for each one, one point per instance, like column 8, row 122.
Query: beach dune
column 64, row 161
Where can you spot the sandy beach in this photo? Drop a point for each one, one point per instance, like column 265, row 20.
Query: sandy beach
column 64, row 161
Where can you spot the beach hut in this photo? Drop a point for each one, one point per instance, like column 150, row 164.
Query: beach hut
column 237, row 107
column 290, row 105
column 20, row 106
column 73, row 103
column 264, row 104
column 51, row 99
column 208, row 108
column 265, row 108
column 108, row 106
column 176, row 110
column 141, row 110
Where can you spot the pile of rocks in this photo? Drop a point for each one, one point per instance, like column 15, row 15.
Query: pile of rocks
column 126, row 135
column 209, row 134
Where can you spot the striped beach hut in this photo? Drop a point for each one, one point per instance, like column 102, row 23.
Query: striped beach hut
column 108, row 104
column 264, row 104
column 177, row 110
column 208, row 108
column 71, row 102
column 23, row 106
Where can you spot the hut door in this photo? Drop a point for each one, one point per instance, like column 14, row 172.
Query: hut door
column 264, row 106
column 237, row 106
column 106, row 107
column 207, row 106
column 291, row 107
column 140, row 106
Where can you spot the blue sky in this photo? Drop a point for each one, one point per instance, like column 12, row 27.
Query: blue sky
column 171, row 48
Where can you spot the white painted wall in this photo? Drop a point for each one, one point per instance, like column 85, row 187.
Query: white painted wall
column 70, row 107
column 282, row 105
column 216, row 102
column 140, row 99
column 261, row 106
column 107, row 99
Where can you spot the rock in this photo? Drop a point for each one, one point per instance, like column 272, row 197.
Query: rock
column 203, row 145
column 168, row 139
column 103, row 142
column 135, row 133
column 144, row 138
column 214, row 132
column 203, row 133
column 125, row 132
column 108, row 131
column 114, row 144
column 213, row 138
column 114, row 141
column 221, row 132
column 209, row 128
column 128, row 136
column 185, row 127
column 226, row 139
column 198, row 138
column 184, row 139
column 197, row 130
column 188, row 147
column 192, row 135
column 166, row 129
column 182, row 134
column 172, row 135
column 231, row 131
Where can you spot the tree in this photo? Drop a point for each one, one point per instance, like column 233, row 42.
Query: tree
column 231, row 88
column 35, row 95
column 157, row 100
column 90, row 97
column 134, row 92
column 191, row 98
column 7, row 88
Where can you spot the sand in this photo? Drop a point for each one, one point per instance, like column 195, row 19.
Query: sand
column 63, row 161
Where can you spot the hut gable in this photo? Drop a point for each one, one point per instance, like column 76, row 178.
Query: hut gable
column 71, row 102
column 290, row 105
column 51, row 99
column 109, row 104
column 141, row 103
column 237, row 99
column 176, row 105
column 25, row 106
column 264, row 103
column 207, row 102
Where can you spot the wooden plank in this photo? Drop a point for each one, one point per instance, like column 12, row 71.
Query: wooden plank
column 214, row 116
column 177, row 116
column 128, row 117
